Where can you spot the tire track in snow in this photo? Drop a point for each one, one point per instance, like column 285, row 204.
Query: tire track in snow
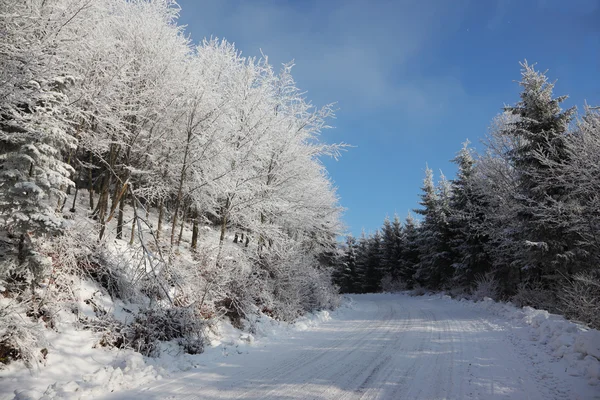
column 394, row 347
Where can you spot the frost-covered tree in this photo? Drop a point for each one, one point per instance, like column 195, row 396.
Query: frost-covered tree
column 435, row 259
column 574, row 214
column 36, row 132
column 409, row 254
column 467, row 214
column 541, row 126
column 374, row 271
column 346, row 275
column 111, row 95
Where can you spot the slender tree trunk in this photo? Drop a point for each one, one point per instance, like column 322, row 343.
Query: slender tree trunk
column 120, row 217
column 195, row 230
column 224, row 220
column 181, row 180
column 103, row 201
column 59, row 207
column 161, row 215
column 223, row 229
column 182, row 225
column 72, row 209
column 21, row 254
column 91, row 184
column 103, row 205
column 133, row 223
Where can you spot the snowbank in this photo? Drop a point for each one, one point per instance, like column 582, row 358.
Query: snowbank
column 76, row 369
column 578, row 345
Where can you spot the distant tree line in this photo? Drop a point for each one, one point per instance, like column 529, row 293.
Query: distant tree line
column 522, row 218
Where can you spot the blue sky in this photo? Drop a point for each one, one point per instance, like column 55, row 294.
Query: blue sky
column 412, row 79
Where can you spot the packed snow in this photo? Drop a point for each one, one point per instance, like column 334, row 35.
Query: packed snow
column 386, row 346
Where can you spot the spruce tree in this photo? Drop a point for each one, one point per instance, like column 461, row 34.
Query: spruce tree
column 435, row 259
column 374, row 271
column 362, row 264
column 409, row 253
column 541, row 126
column 388, row 248
column 466, row 216
column 33, row 140
column 398, row 245
column 347, row 278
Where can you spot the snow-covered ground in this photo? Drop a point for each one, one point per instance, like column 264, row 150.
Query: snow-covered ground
column 389, row 346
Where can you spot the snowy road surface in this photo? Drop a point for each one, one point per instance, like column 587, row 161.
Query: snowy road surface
column 386, row 347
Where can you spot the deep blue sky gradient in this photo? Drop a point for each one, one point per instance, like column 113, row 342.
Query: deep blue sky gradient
column 412, row 79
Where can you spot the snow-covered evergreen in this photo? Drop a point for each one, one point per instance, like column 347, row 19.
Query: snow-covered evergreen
column 517, row 222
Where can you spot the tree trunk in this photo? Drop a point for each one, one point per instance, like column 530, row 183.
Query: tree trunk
column 195, row 230
column 161, row 214
column 103, row 204
column 133, row 222
column 182, row 225
column 223, row 228
column 180, row 188
column 120, row 217
column 224, row 220
column 72, row 209
column 91, row 184
column 21, row 253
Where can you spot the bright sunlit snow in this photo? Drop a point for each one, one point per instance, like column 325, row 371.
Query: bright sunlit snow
column 386, row 346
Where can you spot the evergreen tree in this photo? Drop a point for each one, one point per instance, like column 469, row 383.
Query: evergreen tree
column 398, row 245
column 466, row 215
column 33, row 141
column 388, row 248
column 362, row 264
column 435, row 261
column 409, row 253
column 374, row 270
column 346, row 276
column 541, row 126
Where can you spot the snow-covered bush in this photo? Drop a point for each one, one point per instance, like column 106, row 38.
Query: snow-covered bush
column 485, row 286
column 111, row 271
column 418, row 290
column 153, row 325
column 389, row 284
column 580, row 298
column 535, row 295
column 20, row 337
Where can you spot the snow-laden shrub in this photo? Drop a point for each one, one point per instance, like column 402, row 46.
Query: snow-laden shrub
column 391, row 285
column 418, row 290
column 534, row 294
column 20, row 337
column 153, row 325
column 485, row 286
column 580, row 298
column 323, row 294
column 290, row 283
column 111, row 271
column 23, row 265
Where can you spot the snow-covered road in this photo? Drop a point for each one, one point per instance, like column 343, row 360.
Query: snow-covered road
column 386, row 347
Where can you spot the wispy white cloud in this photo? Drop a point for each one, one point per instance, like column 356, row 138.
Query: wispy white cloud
column 355, row 52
